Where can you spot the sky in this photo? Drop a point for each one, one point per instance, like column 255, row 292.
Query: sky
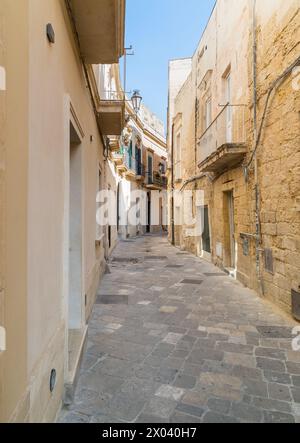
column 161, row 30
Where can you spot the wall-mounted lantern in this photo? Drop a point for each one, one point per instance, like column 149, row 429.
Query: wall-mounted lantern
column 136, row 101
column 50, row 33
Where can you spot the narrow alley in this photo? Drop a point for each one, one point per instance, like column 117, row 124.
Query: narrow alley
column 174, row 340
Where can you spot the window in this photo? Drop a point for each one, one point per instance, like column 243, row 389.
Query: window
column 208, row 112
column 138, row 160
column 162, row 167
column 130, row 152
column 206, row 232
column 150, row 168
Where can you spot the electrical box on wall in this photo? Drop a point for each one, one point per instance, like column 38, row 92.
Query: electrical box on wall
column 269, row 264
column 50, row 33
column 296, row 304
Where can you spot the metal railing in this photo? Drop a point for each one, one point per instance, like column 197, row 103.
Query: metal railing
column 112, row 96
column 157, row 180
column 140, row 170
column 129, row 161
column 119, row 153
column 227, row 128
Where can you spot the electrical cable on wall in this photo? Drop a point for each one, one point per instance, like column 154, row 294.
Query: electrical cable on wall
column 274, row 85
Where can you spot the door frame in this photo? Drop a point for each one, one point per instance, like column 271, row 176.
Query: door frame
column 70, row 116
column 230, row 197
column 201, row 253
column 148, row 226
column 230, row 258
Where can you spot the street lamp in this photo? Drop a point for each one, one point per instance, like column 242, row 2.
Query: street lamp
column 136, row 100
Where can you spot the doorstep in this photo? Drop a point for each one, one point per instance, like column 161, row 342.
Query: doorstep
column 77, row 341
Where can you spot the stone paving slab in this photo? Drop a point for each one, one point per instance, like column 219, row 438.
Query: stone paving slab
column 163, row 348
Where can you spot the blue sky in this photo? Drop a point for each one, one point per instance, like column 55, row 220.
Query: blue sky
column 160, row 30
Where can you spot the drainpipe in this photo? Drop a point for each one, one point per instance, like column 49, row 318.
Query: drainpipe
column 257, row 191
column 196, row 131
column 172, row 189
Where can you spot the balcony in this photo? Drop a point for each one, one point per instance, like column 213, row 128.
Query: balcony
column 223, row 145
column 114, row 144
column 100, row 25
column 156, row 181
column 111, row 113
column 140, row 172
column 118, row 157
column 129, row 163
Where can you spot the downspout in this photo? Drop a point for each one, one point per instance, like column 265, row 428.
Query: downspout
column 258, row 238
column 196, row 130
column 172, row 189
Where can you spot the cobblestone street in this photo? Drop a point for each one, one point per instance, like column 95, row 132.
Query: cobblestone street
column 174, row 340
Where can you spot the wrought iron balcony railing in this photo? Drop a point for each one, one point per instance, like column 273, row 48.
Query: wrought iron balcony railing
column 140, row 170
column 129, row 161
column 112, row 96
column 228, row 128
column 156, row 180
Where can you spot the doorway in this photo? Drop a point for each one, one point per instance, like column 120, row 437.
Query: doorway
column 230, row 260
column 206, row 232
column 76, row 317
column 118, row 208
column 148, row 213
column 75, row 230
column 204, row 247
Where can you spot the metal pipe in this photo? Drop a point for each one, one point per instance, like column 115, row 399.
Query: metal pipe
column 193, row 179
column 196, row 131
column 257, row 191
column 172, row 188
column 273, row 86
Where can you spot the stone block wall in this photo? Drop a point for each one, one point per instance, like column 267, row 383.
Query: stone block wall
column 278, row 42
column 279, row 153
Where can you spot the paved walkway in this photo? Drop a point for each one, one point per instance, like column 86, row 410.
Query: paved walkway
column 173, row 340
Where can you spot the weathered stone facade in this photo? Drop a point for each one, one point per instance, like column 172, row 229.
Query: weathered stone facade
column 217, row 142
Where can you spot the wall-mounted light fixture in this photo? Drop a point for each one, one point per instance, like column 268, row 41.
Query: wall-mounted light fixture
column 50, row 33
column 136, row 101
column 52, row 380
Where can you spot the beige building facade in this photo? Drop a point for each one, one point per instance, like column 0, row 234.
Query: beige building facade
column 140, row 160
column 234, row 134
column 56, row 129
